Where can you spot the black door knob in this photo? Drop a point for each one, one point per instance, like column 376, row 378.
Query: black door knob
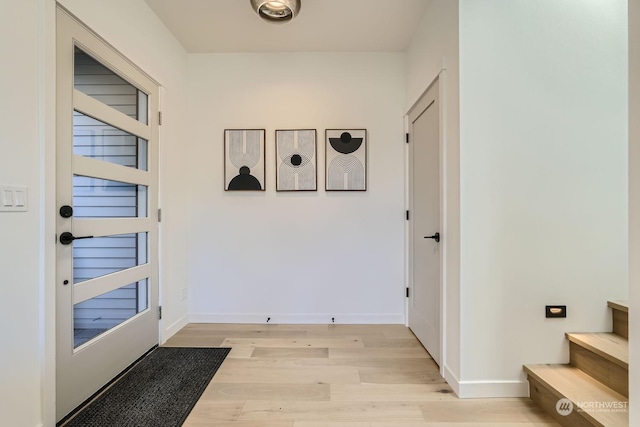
column 67, row 238
column 435, row 237
column 66, row 211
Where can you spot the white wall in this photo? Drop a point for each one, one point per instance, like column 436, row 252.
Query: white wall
column 143, row 38
column 543, row 89
column 435, row 47
column 634, row 210
column 20, row 257
column 296, row 257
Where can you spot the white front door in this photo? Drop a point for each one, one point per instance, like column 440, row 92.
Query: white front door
column 107, row 174
column 425, row 235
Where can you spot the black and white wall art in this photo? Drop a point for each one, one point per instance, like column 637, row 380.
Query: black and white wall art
column 296, row 160
column 346, row 159
column 244, row 162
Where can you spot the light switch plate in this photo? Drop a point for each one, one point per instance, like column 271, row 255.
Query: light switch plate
column 13, row 199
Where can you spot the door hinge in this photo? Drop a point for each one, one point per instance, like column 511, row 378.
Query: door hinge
column 407, row 215
column 159, row 215
column 160, row 312
column 159, row 118
column 407, row 292
column 407, row 135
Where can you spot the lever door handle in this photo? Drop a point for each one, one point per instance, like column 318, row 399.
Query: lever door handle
column 435, row 237
column 67, row 238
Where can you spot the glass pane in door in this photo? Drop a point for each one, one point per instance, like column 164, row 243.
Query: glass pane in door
column 98, row 81
column 96, row 316
column 100, row 256
column 100, row 141
column 102, row 198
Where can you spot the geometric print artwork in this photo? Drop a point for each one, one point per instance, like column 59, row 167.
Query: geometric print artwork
column 244, row 164
column 296, row 160
column 346, row 160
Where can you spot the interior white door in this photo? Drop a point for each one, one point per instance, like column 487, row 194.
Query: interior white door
column 425, row 235
column 106, row 193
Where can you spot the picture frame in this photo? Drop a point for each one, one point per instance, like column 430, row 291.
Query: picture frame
column 296, row 160
column 244, row 160
column 346, row 160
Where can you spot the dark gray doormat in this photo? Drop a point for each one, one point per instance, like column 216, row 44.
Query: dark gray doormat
column 159, row 391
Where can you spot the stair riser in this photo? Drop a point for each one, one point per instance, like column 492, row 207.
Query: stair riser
column 603, row 370
column 621, row 323
column 548, row 400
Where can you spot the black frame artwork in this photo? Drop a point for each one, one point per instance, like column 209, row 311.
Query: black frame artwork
column 346, row 160
column 244, row 159
column 296, row 160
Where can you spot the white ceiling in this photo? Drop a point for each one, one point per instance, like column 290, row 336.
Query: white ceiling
column 322, row 25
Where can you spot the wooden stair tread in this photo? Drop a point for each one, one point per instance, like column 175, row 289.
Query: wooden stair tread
column 619, row 305
column 575, row 385
column 607, row 345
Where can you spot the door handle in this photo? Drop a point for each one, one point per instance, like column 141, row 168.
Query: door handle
column 67, row 238
column 435, row 237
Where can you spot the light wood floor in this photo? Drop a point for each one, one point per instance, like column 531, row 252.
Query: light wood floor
column 336, row 376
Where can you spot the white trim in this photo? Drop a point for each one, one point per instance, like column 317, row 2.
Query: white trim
column 111, row 227
column 102, row 112
column 299, row 319
column 47, row 183
column 451, row 379
column 444, row 210
column 485, row 389
column 492, row 389
column 101, row 285
column 634, row 211
column 407, row 222
column 108, row 55
column 173, row 329
column 86, row 166
column 163, row 287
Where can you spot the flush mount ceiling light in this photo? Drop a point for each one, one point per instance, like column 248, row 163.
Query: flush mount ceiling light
column 277, row 11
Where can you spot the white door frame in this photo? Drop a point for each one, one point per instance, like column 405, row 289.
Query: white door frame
column 440, row 79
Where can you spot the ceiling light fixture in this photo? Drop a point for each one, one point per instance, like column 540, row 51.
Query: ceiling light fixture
column 276, row 11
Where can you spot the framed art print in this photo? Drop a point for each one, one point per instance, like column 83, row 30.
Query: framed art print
column 346, row 159
column 244, row 162
column 296, row 160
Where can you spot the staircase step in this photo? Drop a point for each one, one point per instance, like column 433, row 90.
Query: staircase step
column 610, row 346
column 604, row 356
column 620, row 311
column 619, row 305
column 594, row 403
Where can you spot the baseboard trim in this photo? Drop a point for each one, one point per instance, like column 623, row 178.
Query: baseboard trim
column 452, row 380
column 174, row 328
column 485, row 389
column 299, row 319
column 493, row 389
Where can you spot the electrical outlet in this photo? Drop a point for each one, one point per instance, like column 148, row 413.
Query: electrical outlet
column 183, row 294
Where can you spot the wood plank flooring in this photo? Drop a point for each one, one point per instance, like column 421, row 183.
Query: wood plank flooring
column 336, row 376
